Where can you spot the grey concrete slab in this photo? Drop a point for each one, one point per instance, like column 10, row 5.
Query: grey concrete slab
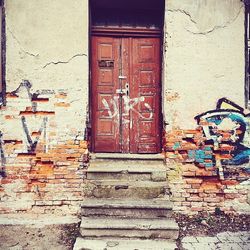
column 129, row 228
column 121, row 203
column 126, row 189
column 128, row 223
column 127, row 156
column 222, row 241
column 135, row 208
column 121, row 244
column 189, row 239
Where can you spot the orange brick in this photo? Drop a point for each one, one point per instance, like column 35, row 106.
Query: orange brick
column 9, row 117
column 229, row 182
column 61, row 96
column 62, row 104
column 196, row 199
column 194, row 181
column 188, row 173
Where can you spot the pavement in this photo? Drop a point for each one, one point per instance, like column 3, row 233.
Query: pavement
column 222, row 241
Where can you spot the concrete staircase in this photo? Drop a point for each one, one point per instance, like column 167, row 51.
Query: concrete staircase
column 127, row 205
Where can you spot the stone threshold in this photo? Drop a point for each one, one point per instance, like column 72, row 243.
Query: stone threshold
column 120, row 156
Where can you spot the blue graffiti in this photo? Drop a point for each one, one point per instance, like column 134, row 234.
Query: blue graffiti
column 201, row 155
column 239, row 131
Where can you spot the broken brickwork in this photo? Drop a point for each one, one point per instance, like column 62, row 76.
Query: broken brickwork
column 211, row 163
column 42, row 162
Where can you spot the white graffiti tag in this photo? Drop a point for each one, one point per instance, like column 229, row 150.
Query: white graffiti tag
column 115, row 105
column 129, row 106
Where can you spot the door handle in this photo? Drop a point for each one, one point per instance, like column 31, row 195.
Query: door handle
column 123, row 91
column 127, row 89
column 120, row 92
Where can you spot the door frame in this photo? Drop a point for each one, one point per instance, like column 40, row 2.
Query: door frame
column 124, row 32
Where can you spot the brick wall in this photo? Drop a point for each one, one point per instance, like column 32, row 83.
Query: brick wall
column 43, row 156
column 209, row 167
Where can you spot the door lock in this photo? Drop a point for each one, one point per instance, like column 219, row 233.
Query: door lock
column 127, row 89
column 123, row 91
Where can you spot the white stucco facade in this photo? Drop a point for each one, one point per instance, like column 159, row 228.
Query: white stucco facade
column 47, row 43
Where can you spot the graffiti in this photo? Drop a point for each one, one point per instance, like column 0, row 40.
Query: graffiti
column 115, row 105
column 2, row 157
column 228, row 124
column 33, row 144
column 24, row 91
column 220, row 145
column 129, row 106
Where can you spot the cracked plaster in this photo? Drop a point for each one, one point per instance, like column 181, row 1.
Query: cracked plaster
column 47, row 44
column 42, row 33
column 204, row 58
column 207, row 16
column 63, row 62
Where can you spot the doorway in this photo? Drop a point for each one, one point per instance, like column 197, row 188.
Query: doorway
column 125, row 84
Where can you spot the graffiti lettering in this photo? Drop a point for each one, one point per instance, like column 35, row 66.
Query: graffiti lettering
column 230, row 118
column 129, row 106
column 33, row 144
column 227, row 138
column 2, row 157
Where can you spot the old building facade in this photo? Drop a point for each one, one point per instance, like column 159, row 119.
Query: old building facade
column 167, row 78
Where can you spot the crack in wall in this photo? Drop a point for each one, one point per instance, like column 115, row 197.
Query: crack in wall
column 64, row 62
column 20, row 45
column 216, row 27
column 183, row 12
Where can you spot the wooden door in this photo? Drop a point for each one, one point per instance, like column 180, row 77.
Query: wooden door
column 125, row 90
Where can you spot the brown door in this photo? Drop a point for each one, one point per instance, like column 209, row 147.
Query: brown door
column 125, row 94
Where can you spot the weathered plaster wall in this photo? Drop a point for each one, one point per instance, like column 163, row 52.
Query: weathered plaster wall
column 42, row 147
column 204, row 58
column 47, row 44
column 207, row 135
column 43, row 152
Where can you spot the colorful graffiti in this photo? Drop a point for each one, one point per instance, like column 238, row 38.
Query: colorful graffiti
column 220, row 145
column 228, row 124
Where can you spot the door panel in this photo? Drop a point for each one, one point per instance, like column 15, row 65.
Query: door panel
column 145, row 73
column 126, row 94
column 105, row 123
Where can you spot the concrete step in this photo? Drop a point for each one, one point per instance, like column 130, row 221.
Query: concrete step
column 126, row 170
column 126, row 189
column 123, row 244
column 122, row 156
column 147, row 208
column 161, row 228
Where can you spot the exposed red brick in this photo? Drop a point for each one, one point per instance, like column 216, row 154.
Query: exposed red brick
column 194, row 181
column 188, row 173
column 39, row 99
column 41, row 113
column 62, row 104
column 9, row 117
column 61, row 96
column 229, row 182
column 197, row 198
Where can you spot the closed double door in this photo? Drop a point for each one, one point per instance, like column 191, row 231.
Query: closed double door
column 125, row 91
